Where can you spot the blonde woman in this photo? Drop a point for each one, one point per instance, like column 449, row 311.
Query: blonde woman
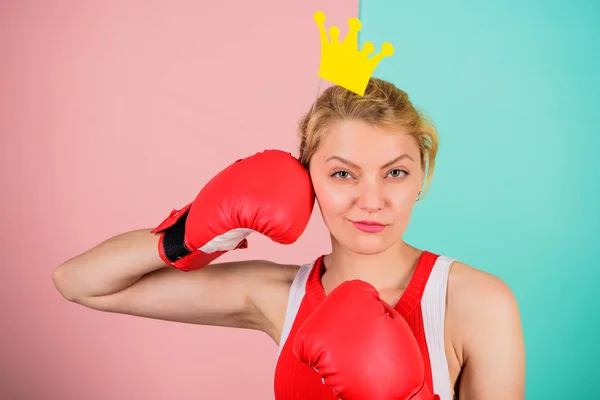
column 376, row 318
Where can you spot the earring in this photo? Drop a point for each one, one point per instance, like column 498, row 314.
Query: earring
column 419, row 195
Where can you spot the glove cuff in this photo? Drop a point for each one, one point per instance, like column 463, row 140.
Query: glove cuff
column 171, row 244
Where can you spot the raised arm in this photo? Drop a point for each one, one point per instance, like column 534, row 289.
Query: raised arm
column 165, row 273
column 124, row 274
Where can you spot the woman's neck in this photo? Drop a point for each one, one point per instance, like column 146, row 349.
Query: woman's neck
column 390, row 270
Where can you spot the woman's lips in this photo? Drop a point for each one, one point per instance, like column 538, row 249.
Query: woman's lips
column 368, row 226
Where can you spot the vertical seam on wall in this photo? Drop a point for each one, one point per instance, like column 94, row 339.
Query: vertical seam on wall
column 360, row 19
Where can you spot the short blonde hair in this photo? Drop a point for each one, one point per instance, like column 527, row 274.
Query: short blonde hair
column 383, row 105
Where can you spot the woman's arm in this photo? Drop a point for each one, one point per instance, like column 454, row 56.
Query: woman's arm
column 485, row 312
column 124, row 274
column 141, row 272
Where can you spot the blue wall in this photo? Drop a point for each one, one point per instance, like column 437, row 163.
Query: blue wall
column 514, row 91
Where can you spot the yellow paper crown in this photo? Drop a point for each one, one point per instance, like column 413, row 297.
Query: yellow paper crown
column 343, row 63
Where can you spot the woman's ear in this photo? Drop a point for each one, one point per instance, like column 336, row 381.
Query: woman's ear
column 424, row 169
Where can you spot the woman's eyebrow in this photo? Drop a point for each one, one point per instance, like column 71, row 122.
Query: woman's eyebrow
column 395, row 160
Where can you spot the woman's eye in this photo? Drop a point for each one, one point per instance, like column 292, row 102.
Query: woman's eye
column 342, row 174
column 396, row 173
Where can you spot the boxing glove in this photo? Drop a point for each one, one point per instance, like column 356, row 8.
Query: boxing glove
column 361, row 347
column 269, row 192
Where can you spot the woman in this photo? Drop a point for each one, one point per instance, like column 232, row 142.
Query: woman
column 368, row 159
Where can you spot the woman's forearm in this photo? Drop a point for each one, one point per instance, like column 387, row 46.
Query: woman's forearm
column 109, row 267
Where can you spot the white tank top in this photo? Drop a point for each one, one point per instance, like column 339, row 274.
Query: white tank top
column 433, row 306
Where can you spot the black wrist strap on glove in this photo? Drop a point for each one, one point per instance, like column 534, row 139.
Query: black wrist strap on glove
column 173, row 240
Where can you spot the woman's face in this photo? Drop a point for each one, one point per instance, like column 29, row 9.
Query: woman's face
column 361, row 173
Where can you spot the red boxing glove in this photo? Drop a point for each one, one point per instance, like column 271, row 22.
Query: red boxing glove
column 361, row 347
column 269, row 192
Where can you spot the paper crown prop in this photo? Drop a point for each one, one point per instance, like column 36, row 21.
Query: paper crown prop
column 343, row 63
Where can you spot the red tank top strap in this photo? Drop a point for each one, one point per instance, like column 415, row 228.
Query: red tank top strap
column 315, row 293
column 414, row 291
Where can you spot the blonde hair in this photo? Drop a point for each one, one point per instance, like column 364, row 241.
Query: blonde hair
column 383, row 105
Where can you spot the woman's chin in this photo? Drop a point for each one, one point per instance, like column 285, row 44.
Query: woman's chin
column 367, row 246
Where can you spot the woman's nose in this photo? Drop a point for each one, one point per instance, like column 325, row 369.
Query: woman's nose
column 371, row 196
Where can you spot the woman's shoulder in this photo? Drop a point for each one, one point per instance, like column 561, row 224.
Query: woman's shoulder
column 478, row 291
column 271, row 272
column 479, row 303
column 472, row 281
column 276, row 277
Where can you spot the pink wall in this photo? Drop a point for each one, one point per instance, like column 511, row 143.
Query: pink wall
column 111, row 114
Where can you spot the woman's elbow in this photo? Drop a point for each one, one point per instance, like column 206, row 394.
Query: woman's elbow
column 60, row 284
